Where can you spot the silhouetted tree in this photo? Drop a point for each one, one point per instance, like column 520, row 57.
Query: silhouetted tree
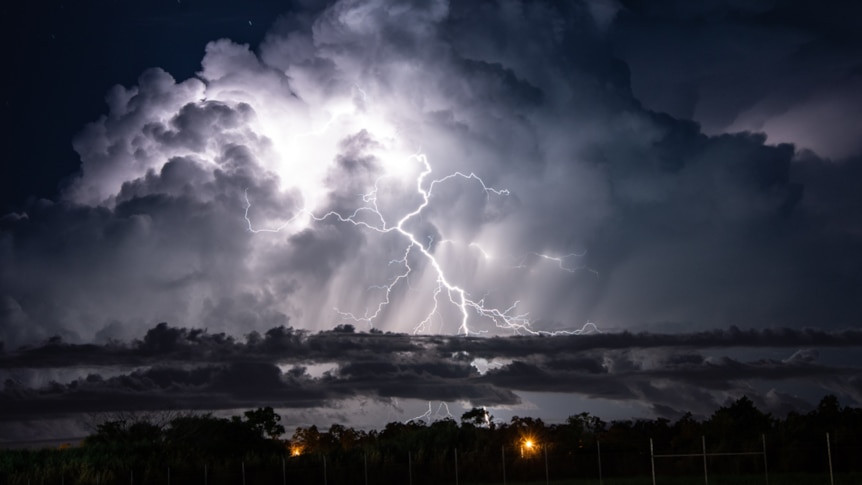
column 265, row 421
column 477, row 417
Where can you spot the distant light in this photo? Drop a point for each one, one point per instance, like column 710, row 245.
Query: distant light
column 528, row 447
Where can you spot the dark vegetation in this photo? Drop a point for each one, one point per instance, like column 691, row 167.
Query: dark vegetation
column 253, row 449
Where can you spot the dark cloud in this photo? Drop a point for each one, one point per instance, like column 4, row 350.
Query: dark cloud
column 657, row 168
column 780, row 67
column 662, row 225
column 180, row 368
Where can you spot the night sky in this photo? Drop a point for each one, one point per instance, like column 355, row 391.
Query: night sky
column 366, row 211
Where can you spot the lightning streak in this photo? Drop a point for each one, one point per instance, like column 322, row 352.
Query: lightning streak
column 369, row 216
column 561, row 262
column 429, row 414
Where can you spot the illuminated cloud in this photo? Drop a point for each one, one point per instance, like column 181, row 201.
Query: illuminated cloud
column 335, row 101
column 610, row 186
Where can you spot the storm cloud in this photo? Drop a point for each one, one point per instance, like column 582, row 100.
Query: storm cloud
column 181, row 368
column 788, row 69
column 374, row 163
column 661, row 225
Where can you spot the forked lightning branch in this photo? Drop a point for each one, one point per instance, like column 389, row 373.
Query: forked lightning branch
column 368, row 216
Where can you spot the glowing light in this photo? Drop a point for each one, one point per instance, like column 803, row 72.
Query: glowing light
column 303, row 167
column 295, row 450
column 529, row 446
column 369, row 216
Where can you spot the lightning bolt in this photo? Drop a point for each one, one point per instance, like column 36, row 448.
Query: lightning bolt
column 368, row 216
column 485, row 254
column 430, row 415
column 561, row 262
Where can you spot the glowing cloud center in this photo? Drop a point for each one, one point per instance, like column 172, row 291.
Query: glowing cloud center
column 304, row 145
column 305, row 159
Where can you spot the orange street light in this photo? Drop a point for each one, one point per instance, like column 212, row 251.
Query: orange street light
column 528, row 446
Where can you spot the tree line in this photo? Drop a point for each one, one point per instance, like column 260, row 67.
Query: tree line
column 254, row 448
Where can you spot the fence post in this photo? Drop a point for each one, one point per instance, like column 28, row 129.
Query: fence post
column 829, row 455
column 705, row 477
column 324, row 469
column 410, row 466
column 652, row 460
column 365, row 465
column 599, row 449
column 243, row 472
column 456, row 466
column 765, row 467
column 205, row 474
column 546, row 464
column 169, row 475
column 283, row 473
column 503, row 453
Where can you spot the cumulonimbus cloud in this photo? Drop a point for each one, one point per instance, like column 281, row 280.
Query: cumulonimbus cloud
column 239, row 201
column 614, row 214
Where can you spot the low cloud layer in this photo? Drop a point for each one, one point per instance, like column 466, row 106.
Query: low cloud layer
column 179, row 368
